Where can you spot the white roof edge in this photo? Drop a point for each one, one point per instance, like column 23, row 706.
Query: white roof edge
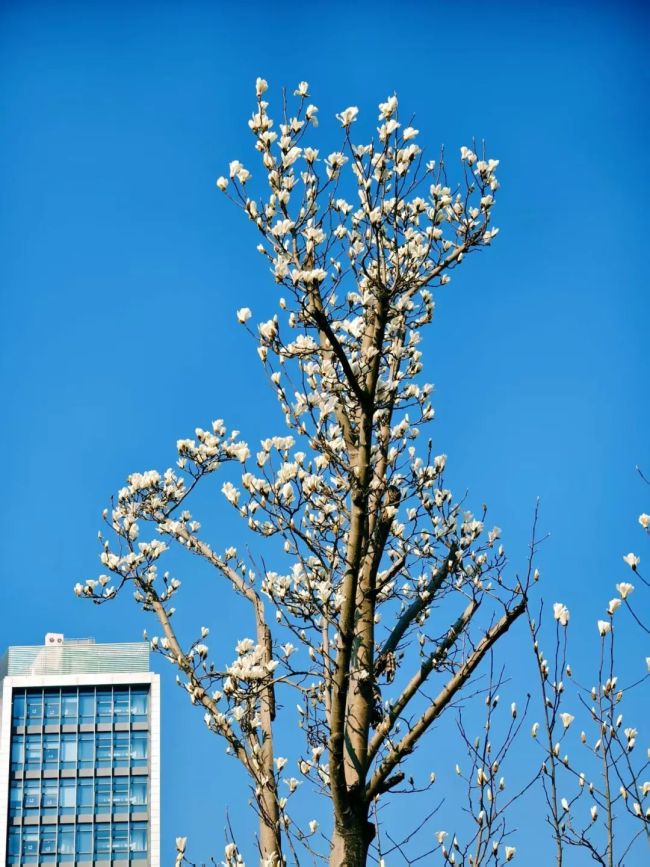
column 16, row 681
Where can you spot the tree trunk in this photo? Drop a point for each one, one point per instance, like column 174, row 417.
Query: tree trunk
column 351, row 840
column 270, row 846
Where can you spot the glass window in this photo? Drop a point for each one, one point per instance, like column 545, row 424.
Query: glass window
column 121, row 749
column 50, row 793
column 14, row 840
column 34, row 707
column 139, row 837
column 86, row 750
column 103, row 794
column 33, row 752
column 120, row 837
column 15, row 798
column 67, row 797
column 19, row 709
column 102, row 839
column 103, row 748
column 30, row 841
column 120, row 793
column 86, row 706
column 138, row 792
column 68, row 750
column 84, row 842
column 139, row 705
column 32, row 794
column 139, row 744
column 85, row 795
column 69, row 707
column 52, row 702
column 66, row 841
column 48, row 840
column 104, row 706
column 121, row 704
column 51, row 750
column 17, row 752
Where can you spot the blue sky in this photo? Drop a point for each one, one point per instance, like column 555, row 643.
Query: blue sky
column 121, row 268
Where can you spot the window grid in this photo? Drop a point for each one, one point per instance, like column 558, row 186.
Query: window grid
column 70, row 796
column 101, row 841
column 83, row 706
column 56, row 733
column 61, row 751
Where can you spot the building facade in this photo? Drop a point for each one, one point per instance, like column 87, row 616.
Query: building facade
column 79, row 755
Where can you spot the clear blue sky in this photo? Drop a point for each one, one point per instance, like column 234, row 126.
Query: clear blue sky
column 121, row 268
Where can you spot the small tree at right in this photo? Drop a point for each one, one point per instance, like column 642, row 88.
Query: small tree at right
column 594, row 773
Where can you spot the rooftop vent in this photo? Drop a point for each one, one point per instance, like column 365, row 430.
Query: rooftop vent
column 53, row 638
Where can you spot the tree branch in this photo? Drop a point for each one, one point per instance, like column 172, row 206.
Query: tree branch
column 446, row 694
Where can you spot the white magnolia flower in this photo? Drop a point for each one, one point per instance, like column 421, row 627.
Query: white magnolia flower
column 613, row 605
column 510, row 852
column 440, row 836
column 468, row 156
column 388, row 108
column 261, row 85
column 237, row 170
column 181, row 843
column 632, row 560
column 594, row 813
column 291, row 156
column 348, row 115
column 244, row 314
column 625, row 589
column 313, row 826
column 534, row 730
column 565, row 805
column 561, row 613
column 439, row 463
column 230, row 492
column 302, row 89
column 244, row 646
column 604, row 626
column 222, row 183
column 567, row 719
column 644, row 520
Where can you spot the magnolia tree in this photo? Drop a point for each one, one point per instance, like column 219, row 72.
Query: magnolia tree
column 595, row 779
column 380, row 594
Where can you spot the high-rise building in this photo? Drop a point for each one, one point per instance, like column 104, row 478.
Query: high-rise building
column 79, row 755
